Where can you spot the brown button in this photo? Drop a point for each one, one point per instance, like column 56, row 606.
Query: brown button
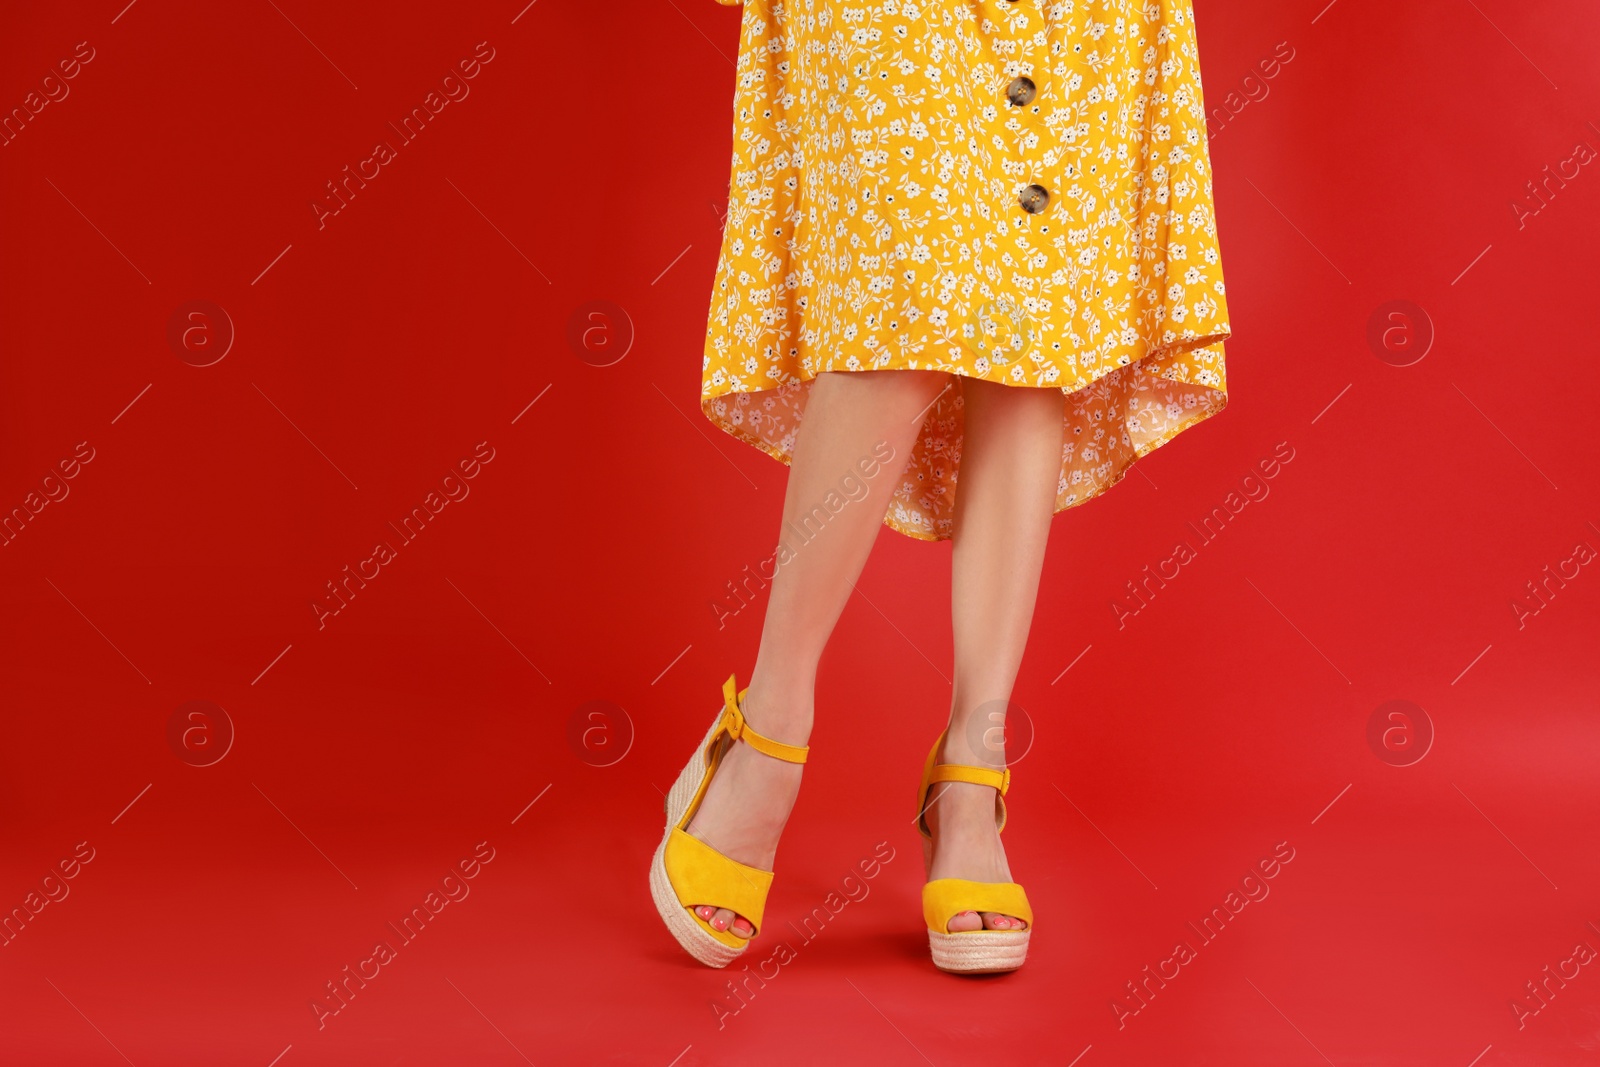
column 1035, row 198
column 1020, row 91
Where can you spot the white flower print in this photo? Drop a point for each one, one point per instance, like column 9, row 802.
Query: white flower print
column 873, row 210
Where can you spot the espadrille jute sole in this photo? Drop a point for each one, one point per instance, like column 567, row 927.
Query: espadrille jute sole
column 695, row 941
column 979, row 951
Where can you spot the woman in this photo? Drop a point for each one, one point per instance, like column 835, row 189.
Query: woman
column 970, row 263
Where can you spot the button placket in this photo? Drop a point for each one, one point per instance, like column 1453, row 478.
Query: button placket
column 1020, row 92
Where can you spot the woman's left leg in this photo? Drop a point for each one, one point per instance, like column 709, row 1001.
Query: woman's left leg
column 1005, row 498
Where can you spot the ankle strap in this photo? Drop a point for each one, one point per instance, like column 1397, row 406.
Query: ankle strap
column 733, row 721
column 960, row 772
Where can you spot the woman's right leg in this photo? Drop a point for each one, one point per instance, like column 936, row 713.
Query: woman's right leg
column 848, row 415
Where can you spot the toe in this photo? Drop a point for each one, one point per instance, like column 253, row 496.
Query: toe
column 723, row 919
column 996, row 921
column 967, row 920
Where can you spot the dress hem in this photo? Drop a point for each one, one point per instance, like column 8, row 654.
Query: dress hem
column 1217, row 403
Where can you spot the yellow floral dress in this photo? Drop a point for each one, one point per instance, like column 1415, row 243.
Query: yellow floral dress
column 1011, row 190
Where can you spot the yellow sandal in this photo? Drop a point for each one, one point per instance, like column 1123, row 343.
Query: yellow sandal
column 969, row 951
column 688, row 872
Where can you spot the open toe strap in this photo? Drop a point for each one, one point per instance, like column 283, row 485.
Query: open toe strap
column 699, row 875
column 945, row 898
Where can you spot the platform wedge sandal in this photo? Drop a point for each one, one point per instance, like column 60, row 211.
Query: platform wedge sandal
column 687, row 872
column 969, row 951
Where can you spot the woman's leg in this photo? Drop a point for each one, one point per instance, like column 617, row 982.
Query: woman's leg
column 848, row 416
column 1005, row 498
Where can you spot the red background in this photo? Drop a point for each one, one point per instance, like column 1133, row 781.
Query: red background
column 590, row 162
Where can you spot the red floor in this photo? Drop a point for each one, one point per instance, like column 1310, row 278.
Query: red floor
column 1426, row 536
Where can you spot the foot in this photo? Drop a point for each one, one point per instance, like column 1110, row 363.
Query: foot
column 965, row 841
column 748, row 801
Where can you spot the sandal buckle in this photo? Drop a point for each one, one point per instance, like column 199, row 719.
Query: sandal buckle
column 732, row 716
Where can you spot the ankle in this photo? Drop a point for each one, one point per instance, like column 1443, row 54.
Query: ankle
column 784, row 717
column 788, row 726
column 972, row 743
